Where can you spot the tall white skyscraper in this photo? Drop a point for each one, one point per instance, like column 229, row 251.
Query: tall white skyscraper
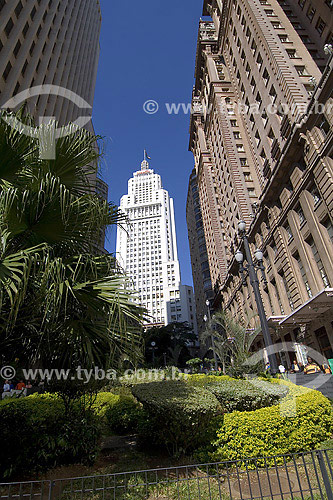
column 147, row 250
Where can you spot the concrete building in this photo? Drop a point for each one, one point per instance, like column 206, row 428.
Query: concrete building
column 202, row 283
column 50, row 42
column 260, row 69
column 147, row 250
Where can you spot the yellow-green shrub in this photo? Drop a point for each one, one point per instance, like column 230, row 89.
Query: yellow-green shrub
column 203, row 380
column 103, row 401
column 278, row 429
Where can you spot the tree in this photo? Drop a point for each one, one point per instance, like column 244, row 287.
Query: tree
column 62, row 302
column 172, row 343
column 232, row 342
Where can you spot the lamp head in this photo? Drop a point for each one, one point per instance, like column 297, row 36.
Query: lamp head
column 259, row 255
column 328, row 49
column 205, row 318
column 241, row 226
column 207, row 303
column 239, row 256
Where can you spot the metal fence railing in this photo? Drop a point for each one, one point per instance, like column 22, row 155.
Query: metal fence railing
column 299, row 476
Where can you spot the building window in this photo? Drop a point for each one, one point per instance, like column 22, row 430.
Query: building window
column 18, row 8
column 320, row 26
column 319, row 262
column 265, row 76
column 270, row 301
column 289, row 232
column 286, row 287
column 301, row 3
column 32, row 48
column 316, row 196
column 9, row 27
column 259, row 61
column 7, row 71
column 33, row 13
column 301, row 70
column 284, row 38
column 303, row 274
column 310, row 13
column 278, row 296
column 273, row 94
column 25, row 29
column 301, row 215
column 17, row 48
column 291, row 53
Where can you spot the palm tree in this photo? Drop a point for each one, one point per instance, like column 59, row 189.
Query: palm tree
column 232, row 341
column 62, row 301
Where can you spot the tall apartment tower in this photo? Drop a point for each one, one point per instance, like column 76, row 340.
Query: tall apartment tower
column 202, row 283
column 260, row 67
column 50, row 42
column 147, row 250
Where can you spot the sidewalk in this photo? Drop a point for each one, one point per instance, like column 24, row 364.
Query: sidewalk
column 318, row 381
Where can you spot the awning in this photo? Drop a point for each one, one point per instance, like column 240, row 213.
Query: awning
column 317, row 306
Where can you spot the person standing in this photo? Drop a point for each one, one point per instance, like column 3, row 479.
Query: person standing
column 282, row 371
column 311, row 367
column 295, row 368
column 6, row 386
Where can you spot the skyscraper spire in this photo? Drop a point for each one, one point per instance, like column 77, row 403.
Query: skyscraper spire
column 145, row 164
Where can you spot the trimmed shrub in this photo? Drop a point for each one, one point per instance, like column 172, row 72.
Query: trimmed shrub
column 278, row 429
column 179, row 416
column 243, row 395
column 123, row 415
column 203, row 380
column 103, row 401
column 37, row 433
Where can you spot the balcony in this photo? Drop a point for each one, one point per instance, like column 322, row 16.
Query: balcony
column 207, row 32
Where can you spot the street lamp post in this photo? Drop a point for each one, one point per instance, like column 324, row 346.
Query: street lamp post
column 153, row 347
column 211, row 337
column 251, row 270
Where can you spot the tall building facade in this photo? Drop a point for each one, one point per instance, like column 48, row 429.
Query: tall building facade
column 50, row 42
column 147, row 250
column 202, row 283
column 260, row 69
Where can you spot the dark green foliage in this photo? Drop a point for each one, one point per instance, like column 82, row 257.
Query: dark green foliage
column 36, row 433
column 124, row 415
column 172, row 342
column 179, row 416
column 243, row 395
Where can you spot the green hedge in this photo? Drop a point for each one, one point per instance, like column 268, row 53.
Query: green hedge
column 37, row 433
column 124, row 415
column 242, row 395
column 179, row 416
column 278, row 429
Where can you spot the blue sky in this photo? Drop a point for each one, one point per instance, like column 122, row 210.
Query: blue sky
column 147, row 52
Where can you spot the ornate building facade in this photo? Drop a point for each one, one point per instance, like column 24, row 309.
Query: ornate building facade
column 263, row 154
column 202, row 282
